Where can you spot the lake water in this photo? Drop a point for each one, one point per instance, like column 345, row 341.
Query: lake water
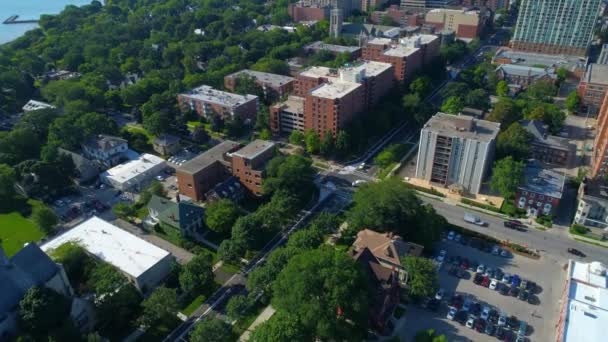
column 29, row 9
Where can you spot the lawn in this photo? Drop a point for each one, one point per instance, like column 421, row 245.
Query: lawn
column 189, row 309
column 139, row 129
column 15, row 231
column 229, row 268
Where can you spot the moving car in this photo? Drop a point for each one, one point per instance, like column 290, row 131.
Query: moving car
column 514, row 224
column 474, row 219
column 576, row 252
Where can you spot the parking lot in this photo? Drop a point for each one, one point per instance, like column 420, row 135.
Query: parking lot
column 541, row 316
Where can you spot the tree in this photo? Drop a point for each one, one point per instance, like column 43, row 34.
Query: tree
column 75, row 261
column 421, row 86
column 221, row 215
column 505, row 112
column 452, row 105
column 42, row 310
column 157, row 123
column 280, row 327
column 389, row 155
column 237, row 307
column 478, row 98
column 116, row 311
column 231, row 251
column 313, row 142
column 265, row 134
column 197, row 275
column 124, row 210
column 105, row 279
column 502, row 88
column 573, row 101
column 200, row 135
column 160, row 307
column 316, row 284
column 211, row 330
column 390, row 206
column 7, row 185
column 514, row 141
column 429, row 336
column 343, row 143
column 44, row 218
column 541, row 90
column 507, row 175
column 422, row 278
column 296, row 138
column 562, row 73
column 294, row 175
column 305, row 239
column 327, row 144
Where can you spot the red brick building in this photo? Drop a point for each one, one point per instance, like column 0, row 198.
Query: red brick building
column 541, row 190
column 599, row 160
column 466, row 24
column 274, row 85
column 248, row 164
column 398, row 16
column 299, row 12
column 593, row 88
column 209, row 102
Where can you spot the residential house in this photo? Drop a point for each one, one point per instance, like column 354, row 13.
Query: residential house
column 87, row 169
column 521, row 76
column 29, row 267
column 548, row 148
column 592, row 208
column 166, row 144
column 541, row 191
column 388, row 249
column 107, row 150
column 186, row 217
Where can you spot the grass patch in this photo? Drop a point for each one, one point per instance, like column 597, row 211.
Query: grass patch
column 16, row 230
column 385, row 171
column 399, row 311
column 590, row 242
column 158, row 332
column 229, row 268
column 139, row 129
column 198, row 301
column 193, row 124
column 480, row 205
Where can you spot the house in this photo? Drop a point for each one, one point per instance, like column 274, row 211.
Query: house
column 541, row 191
column 87, row 169
column 106, row 149
column 521, row 76
column 592, row 208
column 231, row 189
column 134, row 175
column 388, row 249
column 29, row 267
column 383, row 284
column 166, row 144
column 144, row 264
column 548, row 148
column 186, row 217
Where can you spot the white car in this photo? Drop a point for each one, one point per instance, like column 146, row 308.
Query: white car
column 470, row 322
column 493, row 284
column 481, row 268
column 439, row 295
column 485, row 313
column 451, row 235
column 451, row 314
column 361, row 166
column 502, row 320
column 358, row 182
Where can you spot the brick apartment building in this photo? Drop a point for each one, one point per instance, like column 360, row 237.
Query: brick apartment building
column 199, row 175
column 248, row 164
column 466, row 24
column 274, row 85
column 398, row 16
column 522, row 76
column 599, row 160
column 327, row 99
column 491, row 4
column 208, row 102
column 548, row 148
column 541, row 190
column 301, row 12
column 593, row 88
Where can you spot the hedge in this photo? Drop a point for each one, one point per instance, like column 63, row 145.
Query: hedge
column 480, row 205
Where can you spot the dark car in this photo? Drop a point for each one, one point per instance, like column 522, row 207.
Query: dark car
column 464, row 264
column 480, row 325
column 576, row 252
column 433, row 304
column 500, row 333
column 485, row 282
column 473, row 265
column 512, row 322
column 456, row 301
column 493, row 316
column 513, row 291
column 464, row 241
column 478, row 279
column 490, row 329
column 475, row 309
column 523, row 295
column 533, row 300
column 462, row 274
column 509, row 337
column 514, row 224
column 504, row 290
column 461, row 317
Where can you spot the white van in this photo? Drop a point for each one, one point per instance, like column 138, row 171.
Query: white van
column 474, row 219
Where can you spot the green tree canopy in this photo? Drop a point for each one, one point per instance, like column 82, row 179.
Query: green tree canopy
column 422, row 278
column 221, row 215
column 44, row 218
column 452, row 105
column 42, row 310
column 514, row 141
column 197, row 275
column 211, row 330
column 280, row 327
column 502, row 88
column 315, row 285
column 507, row 175
column 160, row 307
column 573, row 101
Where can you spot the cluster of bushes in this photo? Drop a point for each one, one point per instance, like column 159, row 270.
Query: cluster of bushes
column 430, row 191
column 521, row 249
column 579, row 229
column 546, row 221
column 480, row 205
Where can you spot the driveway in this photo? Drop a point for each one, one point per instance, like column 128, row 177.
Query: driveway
column 181, row 255
column 542, row 318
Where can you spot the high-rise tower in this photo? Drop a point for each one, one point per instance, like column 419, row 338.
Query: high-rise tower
column 336, row 18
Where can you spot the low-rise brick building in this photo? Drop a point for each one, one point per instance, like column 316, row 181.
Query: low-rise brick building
column 209, row 102
column 541, row 191
column 300, row 11
column 467, row 24
column 548, row 148
column 593, row 88
column 248, row 164
column 273, row 85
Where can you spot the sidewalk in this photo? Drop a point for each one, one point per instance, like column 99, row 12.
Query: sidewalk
column 588, row 240
column 263, row 317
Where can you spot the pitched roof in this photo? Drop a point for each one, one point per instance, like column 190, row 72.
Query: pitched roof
column 166, row 140
column 175, row 214
column 32, row 260
column 386, row 247
column 104, row 142
column 539, row 131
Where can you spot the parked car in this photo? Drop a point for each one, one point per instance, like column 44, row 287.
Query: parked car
column 523, row 329
column 523, row 295
column 504, row 290
column 515, row 280
column 506, row 278
column 500, row 333
column 490, row 329
column 502, row 320
column 495, row 250
column 466, row 305
column 475, row 309
column 456, row 301
column 470, row 322
column 497, row 274
column 512, row 322
column 474, row 219
column 485, row 282
column 524, row 284
column 477, row 279
column 461, row 317
column 457, row 238
column 505, row 254
column 439, row 295
column 451, row 314
column 480, row 325
column 493, row 284
column 514, row 291
column 576, row 252
column 481, row 268
column 451, row 235
column 485, row 313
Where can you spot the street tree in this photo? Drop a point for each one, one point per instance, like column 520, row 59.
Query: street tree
column 573, row 101
column 237, row 307
column 422, row 276
column 452, row 105
column 507, row 175
column 44, row 218
column 211, row 330
column 514, row 141
column 42, row 310
column 281, row 326
column 313, row 142
column 421, row 86
column 502, row 88
column 160, row 307
column 221, row 215
column 197, row 276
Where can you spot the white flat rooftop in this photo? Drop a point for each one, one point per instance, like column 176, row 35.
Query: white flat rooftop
column 334, row 90
column 320, row 71
column 113, row 245
column 380, row 41
column 587, row 307
column 371, row 68
column 128, row 170
column 400, row 51
column 223, row 98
